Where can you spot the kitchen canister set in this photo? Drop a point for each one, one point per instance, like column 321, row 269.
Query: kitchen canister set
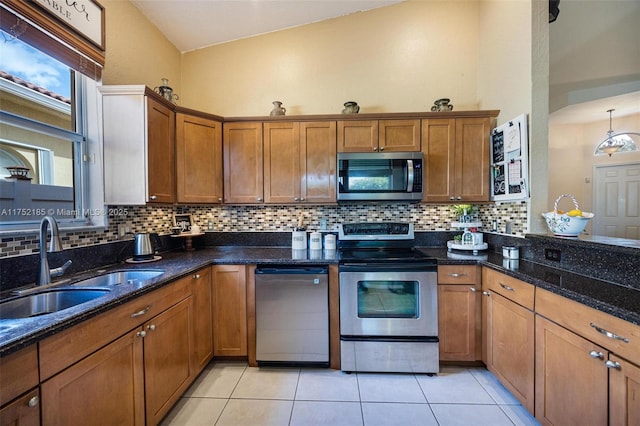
column 315, row 240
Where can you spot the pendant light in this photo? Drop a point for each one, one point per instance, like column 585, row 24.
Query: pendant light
column 615, row 142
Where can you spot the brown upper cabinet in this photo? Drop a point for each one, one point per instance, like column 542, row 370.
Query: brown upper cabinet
column 379, row 135
column 456, row 155
column 243, row 167
column 161, row 152
column 198, row 159
column 300, row 162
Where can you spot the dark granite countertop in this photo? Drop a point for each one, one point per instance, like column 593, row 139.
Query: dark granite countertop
column 616, row 300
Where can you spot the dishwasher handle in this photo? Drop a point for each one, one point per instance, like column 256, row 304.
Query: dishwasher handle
column 291, row 270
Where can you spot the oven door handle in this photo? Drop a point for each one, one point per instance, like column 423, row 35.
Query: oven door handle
column 390, row 267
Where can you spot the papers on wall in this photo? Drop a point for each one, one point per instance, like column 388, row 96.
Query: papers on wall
column 510, row 160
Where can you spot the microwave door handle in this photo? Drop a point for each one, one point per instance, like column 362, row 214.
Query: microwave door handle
column 409, row 175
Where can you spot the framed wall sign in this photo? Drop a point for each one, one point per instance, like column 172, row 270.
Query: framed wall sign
column 510, row 160
column 86, row 17
column 184, row 221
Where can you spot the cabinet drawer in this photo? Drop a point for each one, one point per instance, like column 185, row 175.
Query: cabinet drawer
column 18, row 373
column 583, row 320
column 63, row 349
column 458, row 274
column 509, row 287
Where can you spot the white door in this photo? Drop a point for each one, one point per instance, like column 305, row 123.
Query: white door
column 617, row 201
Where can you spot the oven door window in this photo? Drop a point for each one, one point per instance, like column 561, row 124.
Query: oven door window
column 388, row 299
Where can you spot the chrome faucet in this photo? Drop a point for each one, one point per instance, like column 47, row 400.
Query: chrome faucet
column 45, row 274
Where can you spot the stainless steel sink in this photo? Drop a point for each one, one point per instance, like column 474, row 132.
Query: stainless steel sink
column 47, row 302
column 135, row 276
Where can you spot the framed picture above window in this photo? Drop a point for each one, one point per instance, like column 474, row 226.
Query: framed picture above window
column 86, row 17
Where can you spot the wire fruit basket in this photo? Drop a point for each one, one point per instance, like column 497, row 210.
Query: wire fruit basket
column 569, row 224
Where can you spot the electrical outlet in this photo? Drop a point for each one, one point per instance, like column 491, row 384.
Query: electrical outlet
column 552, row 254
column 124, row 229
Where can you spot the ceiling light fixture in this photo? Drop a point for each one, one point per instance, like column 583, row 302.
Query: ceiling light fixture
column 615, row 142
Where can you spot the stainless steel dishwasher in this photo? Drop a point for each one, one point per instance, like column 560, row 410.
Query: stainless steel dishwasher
column 292, row 315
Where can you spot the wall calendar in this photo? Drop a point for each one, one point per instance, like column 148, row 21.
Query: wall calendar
column 510, row 160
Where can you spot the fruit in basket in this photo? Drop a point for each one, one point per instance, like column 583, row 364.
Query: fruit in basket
column 575, row 213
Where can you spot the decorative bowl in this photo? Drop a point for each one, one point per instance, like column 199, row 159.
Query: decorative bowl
column 563, row 224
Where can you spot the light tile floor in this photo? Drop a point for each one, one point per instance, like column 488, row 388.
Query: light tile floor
column 231, row 393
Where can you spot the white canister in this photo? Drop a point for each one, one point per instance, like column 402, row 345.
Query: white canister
column 330, row 242
column 510, row 252
column 299, row 240
column 315, row 241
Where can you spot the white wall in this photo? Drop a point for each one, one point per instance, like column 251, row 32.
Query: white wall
column 393, row 59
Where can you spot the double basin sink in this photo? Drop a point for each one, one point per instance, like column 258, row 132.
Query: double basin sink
column 57, row 298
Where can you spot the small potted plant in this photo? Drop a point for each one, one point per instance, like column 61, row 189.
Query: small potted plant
column 465, row 212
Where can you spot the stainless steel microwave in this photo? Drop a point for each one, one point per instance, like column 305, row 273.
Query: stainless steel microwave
column 376, row 176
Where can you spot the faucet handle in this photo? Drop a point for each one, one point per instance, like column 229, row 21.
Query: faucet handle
column 56, row 272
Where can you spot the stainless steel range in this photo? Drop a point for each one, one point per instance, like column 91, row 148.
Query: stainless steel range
column 388, row 300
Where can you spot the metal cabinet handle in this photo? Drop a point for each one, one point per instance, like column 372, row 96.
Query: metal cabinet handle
column 301, row 198
column 141, row 333
column 33, row 401
column 153, row 197
column 196, row 277
column 151, row 327
column 612, row 364
column 596, row 355
column 608, row 333
column 486, row 293
column 140, row 313
column 473, row 289
column 458, row 198
column 382, row 148
column 451, row 198
column 296, row 199
column 375, row 149
column 220, row 200
column 259, row 198
column 457, row 274
column 506, row 287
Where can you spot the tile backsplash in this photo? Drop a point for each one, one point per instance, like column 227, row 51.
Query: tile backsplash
column 273, row 218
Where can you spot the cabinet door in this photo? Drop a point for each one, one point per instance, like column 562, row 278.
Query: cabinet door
column 106, row 387
column 318, row 162
column 198, row 159
column 471, row 175
column 18, row 373
column 438, row 147
column 358, row 136
column 167, row 356
column 243, row 168
column 161, row 152
column 510, row 346
column 229, row 310
column 202, row 318
column 281, row 162
column 399, row 135
column 24, row 411
column 571, row 378
column 459, row 322
column 624, row 392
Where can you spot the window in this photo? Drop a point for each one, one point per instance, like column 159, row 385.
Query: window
column 44, row 129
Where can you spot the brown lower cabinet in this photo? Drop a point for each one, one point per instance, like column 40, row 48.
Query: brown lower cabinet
column 587, row 365
column 24, row 411
column 459, row 313
column 103, row 371
column 229, row 310
column 508, row 333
